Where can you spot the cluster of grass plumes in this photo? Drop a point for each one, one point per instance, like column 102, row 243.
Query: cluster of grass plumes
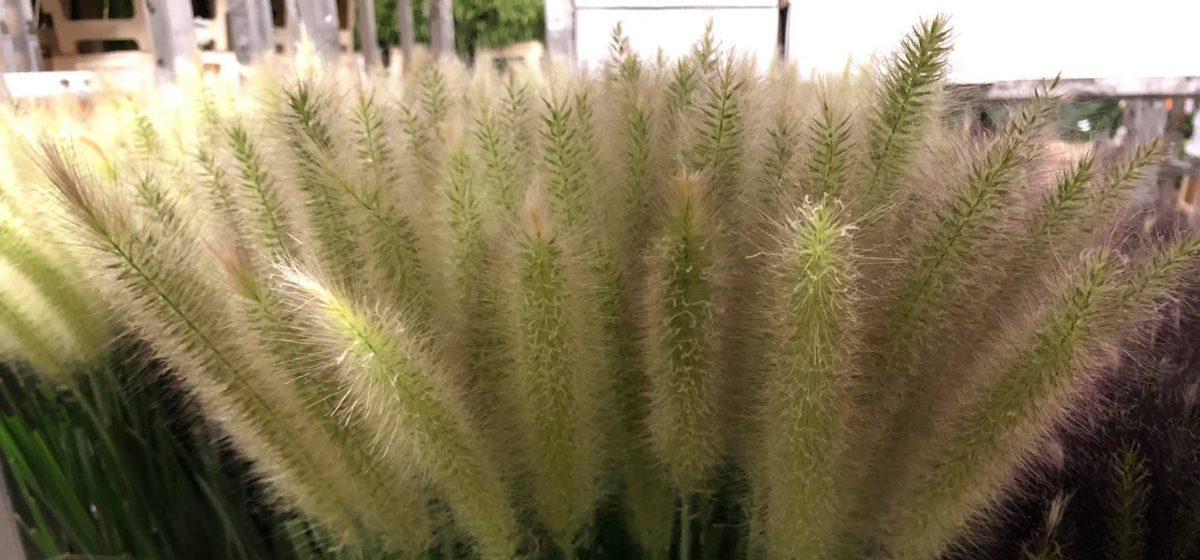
column 477, row 313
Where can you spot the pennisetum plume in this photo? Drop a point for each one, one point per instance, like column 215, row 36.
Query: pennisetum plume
column 682, row 308
column 805, row 411
column 556, row 378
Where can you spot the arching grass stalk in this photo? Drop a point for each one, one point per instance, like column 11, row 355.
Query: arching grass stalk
column 498, row 156
column 520, row 128
column 679, row 97
column 372, row 145
column 570, row 353
column 33, row 342
column 422, row 126
column 149, row 276
column 646, row 495
column 957, row 230
column 1082, row 198
column 564, row 162
column 405, row 398
column 1094, row 310
column 1117, row 187
column 1054, row 217
column 640, row 172
column 220, row 195
column 146, row 138
column 276, row 326
column 975, row 460
column 720, row 145
column 778, row 174
column 157, row 204
column 704, row 53
column 898, row 397
column 390, row 239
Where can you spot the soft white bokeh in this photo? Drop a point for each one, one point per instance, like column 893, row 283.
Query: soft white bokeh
column 994, row 41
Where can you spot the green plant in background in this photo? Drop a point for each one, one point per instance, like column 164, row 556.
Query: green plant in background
column 1079, row 120
column 1084, row 120
column 477, row 23
column 544, row 303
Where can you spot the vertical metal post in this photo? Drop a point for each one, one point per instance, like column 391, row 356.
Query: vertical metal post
column 1146, row 120
column 318, row 20
column 291, row 26
column 251, row 29
column 404, row 19
column 560, row 30
column 19, row 50
column 173, row 34
column 441, row 27
column 367, row 34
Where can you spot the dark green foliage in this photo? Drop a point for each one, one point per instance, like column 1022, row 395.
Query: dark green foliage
column 117, row 464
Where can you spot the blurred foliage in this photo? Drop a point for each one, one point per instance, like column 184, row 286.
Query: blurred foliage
column 1080, row 121
column 477, row 23
column 1076, row 121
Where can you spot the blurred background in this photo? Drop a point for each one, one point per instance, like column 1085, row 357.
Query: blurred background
column 1131, row 69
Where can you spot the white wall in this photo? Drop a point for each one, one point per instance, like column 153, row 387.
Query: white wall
column 674, row 26
column 1010, row 39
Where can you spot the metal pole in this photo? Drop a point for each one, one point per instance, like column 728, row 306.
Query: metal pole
column 367, row 33
column 319, row 21
column 441, row 27
column 173, row 34
column 19, row 50
column 560, row 30
column 404, row 18
column 251, row 34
